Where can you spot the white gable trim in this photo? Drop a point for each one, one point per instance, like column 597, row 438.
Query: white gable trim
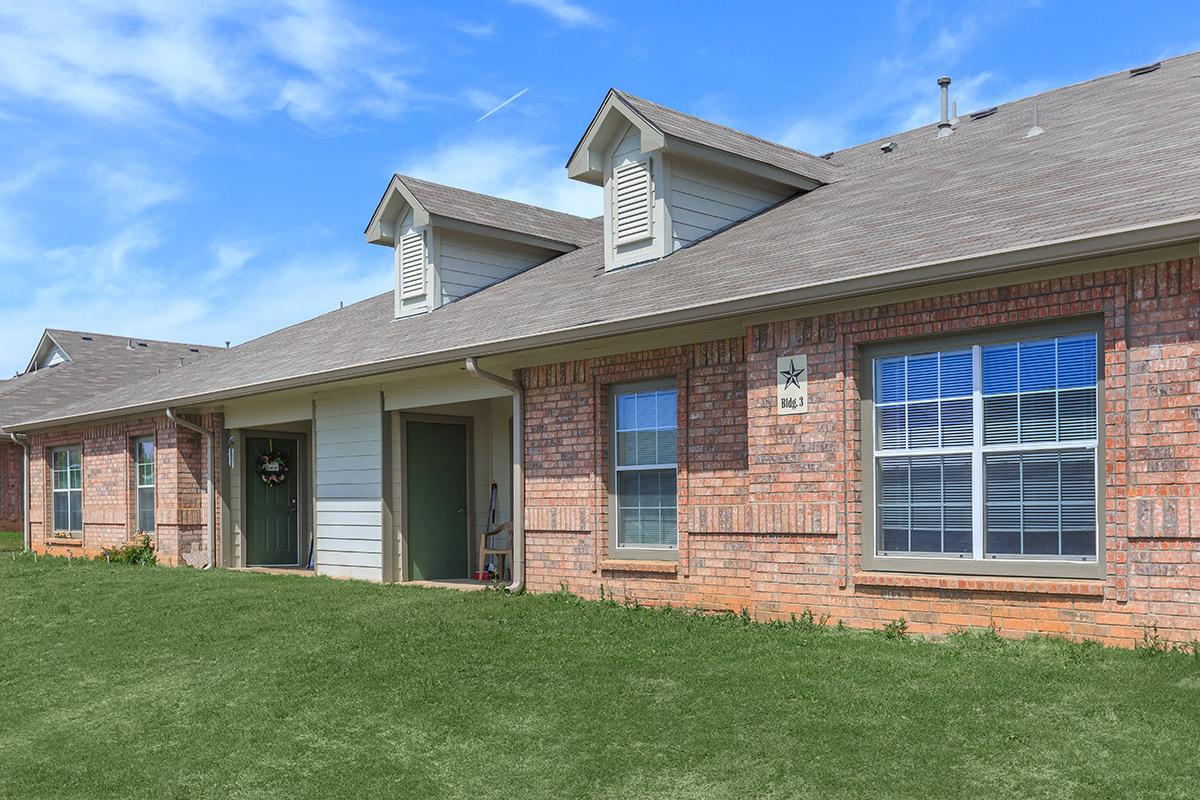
column 41, row 350
column 588, row 160
column 392, row 207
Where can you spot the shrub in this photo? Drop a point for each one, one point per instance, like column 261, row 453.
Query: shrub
column 139, row 552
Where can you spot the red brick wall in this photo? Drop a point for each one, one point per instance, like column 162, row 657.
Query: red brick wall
column 770, row 505
column 12, row 479
column 109, row 498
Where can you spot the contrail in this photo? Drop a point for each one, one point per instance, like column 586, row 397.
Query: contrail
column 502, row 105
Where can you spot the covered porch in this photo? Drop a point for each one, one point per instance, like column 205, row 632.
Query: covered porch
column 392, row 481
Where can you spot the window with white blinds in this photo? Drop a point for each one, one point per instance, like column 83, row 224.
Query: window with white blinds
column 412, row 265
column 645, row 467
column 988, row 451
column 633, row 203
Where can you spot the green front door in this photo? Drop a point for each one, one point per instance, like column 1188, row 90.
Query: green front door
column 436, row 499
column 272, row 512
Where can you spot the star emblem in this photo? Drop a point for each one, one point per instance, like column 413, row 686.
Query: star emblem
column 791, row 375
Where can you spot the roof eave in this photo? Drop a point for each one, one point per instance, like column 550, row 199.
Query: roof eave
column 1113, row 242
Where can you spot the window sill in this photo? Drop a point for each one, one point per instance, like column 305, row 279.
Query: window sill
column 630, row 565
column 55, row 541
column 1066, row 586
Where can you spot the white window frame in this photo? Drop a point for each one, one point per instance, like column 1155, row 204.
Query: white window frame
column 138, row 486
column 978, row 562
column 640, row 552
column 68, row 491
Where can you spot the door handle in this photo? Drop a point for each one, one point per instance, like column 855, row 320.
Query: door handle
column 292, row 505
column 462, row 510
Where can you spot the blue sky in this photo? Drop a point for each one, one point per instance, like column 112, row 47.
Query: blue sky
column 204, row 170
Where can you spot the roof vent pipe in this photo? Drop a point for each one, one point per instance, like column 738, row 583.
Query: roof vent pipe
column 954, row 114
column 1036, row 129
column 944, row 128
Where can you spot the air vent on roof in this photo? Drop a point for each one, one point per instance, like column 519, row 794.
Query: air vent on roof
column 987, row 112
column 1133, row 73
column 890, row 147
column 142, row 344
column 86, row 338
column 194, row 349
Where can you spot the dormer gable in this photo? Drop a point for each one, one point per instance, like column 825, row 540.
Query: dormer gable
column 48, row 353
column 450, row 242
column 671, row 179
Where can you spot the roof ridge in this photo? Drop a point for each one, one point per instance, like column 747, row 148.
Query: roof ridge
column 731, row 129
column 405, row 178
column 116, row 336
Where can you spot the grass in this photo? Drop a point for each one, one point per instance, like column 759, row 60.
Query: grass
column 11, row 540
column 146, row 682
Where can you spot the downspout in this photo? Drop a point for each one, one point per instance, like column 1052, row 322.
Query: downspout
column 209, row 463
column 23, row 440
column 518, row 470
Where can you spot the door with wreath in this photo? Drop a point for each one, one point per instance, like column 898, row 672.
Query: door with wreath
column 272, row 502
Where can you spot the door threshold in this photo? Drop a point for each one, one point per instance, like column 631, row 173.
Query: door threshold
column 460, row 584
column 269, row 569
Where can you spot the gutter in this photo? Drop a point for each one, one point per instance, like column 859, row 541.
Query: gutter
column 209, row 462
column 518, row 469
column 23, row 440
column 1113, row 242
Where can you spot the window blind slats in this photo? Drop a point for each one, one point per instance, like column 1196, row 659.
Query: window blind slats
column 1038, row 499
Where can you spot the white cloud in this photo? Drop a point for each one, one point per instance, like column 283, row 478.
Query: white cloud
column 230, row 257
column 118, row 285
column 518, row 170
column 817, row 135
column 137, row 61
column 478, row 30
column 570, row 14
column 130, row 187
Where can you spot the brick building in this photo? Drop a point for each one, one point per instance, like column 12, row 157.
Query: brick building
column 952, row 375
column 65, row 367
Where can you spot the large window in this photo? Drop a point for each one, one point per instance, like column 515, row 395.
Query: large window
column 143, row 471
column 988, row 452
column 66, row 467
column 644, row 470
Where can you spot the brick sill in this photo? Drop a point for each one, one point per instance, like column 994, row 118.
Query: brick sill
column 629, row 565
column 986, row 583
column 63, row 542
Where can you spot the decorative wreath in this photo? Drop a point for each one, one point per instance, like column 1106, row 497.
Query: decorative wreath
column 272, row 468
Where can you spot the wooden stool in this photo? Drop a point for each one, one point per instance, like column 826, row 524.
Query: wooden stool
column 488, row 547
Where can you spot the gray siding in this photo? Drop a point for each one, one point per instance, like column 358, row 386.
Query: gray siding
column 703, row 200
column 349, row 482
column 467, row 263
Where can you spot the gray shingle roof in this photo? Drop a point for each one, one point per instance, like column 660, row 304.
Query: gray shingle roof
column 496, row 212
column 719, row 137
column 98, row 363
column 1117, row 153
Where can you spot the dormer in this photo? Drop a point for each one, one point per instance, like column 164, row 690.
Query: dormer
column 49, row 353
column 671, row 179
column 449, row 243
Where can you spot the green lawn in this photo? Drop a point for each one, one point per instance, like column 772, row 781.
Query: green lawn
column 11, row 540
column 149, row 682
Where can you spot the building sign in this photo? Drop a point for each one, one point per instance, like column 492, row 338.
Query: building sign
column 791, row 384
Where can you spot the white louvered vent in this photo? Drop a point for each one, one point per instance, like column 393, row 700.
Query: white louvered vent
column 632, row 203
column 412, row 265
